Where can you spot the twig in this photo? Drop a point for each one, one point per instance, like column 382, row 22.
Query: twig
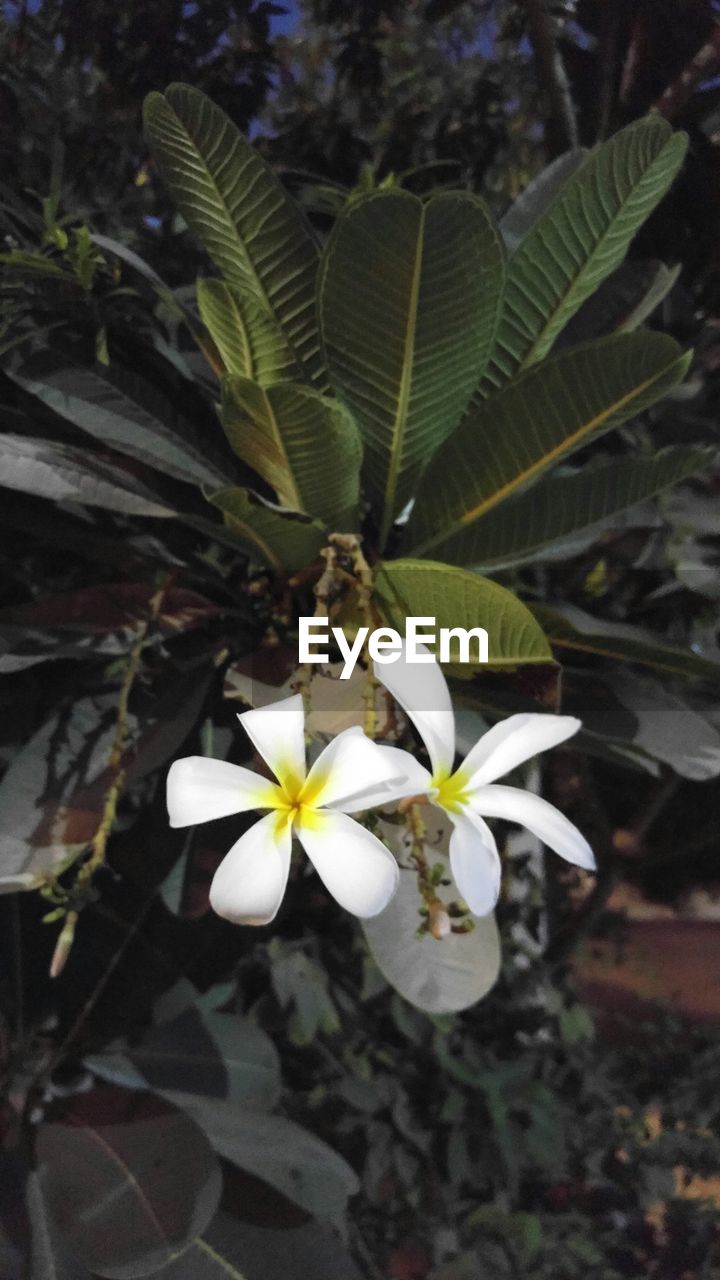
column 699, row 68
column 98, row 846
column 95, row 994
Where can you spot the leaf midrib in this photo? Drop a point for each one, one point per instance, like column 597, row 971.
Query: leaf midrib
column 531, row 355
column 293, row 494
column 547, row 459
column 246, row 257
column 401, row 415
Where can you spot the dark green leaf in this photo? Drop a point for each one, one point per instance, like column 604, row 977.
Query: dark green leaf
column 580, row 238
column 560, row 506
column 539, row 419
column 237, row 207
column 66, row 474
column 571, row 631
column 121, row 411
column 409, row 296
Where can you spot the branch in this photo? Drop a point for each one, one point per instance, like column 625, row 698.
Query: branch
column 705, row 61
column 561, row 129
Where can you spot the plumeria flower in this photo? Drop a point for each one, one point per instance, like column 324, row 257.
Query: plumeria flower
column 351, row 773
column 469, row 794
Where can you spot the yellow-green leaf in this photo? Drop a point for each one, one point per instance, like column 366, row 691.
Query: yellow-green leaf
column 458, row 598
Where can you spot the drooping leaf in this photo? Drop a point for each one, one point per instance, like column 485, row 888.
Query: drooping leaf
column 621, row 303
column 571, row 631
column 249, row 341
column 409, row 294
column 219, row 1055
column 114, row 606
column 580, row 238
column 94, row 621
column 129, row 1179
column 669, row 728
column 537, row 420
column 282, row 539
column 123, row 412
column 66, row 474
column 559, row 506
column 640, row 713
column 280, row 1152
column 436, row 976
column 237, row 207
column 305, row 445
column 457, row 598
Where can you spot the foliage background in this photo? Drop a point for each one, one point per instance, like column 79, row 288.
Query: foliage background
column 530, row 1135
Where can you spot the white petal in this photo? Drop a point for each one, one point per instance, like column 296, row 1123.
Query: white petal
column 513, row 741
column 474, row 861
column 249, row 884
column 543, row 819
column 278, row 734
column 416, row 781
column 421, row 690
column 351, row 766
column 355, row 867
column 200, row 789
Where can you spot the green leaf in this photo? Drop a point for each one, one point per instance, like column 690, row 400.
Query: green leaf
column 436, row 976
column 559, row 506
column 129, row 1180
column 240, row 211
column 283, row 539
column 409, row 294
column 65, row 474
column 216, row 1054
column 669, row 729
column 457, row 598
column 572, row 631
column 305, row 445
column 581, row 238
column 540, row 418
column 249, row 341
column 122, row 411
column 534, row 199
column 280, row 1152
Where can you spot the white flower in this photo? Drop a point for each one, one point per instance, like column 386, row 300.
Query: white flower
column 352, row 773
column 467, row 795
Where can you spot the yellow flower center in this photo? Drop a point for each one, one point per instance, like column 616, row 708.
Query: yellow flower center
column 451, row 791
column 299, row 799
